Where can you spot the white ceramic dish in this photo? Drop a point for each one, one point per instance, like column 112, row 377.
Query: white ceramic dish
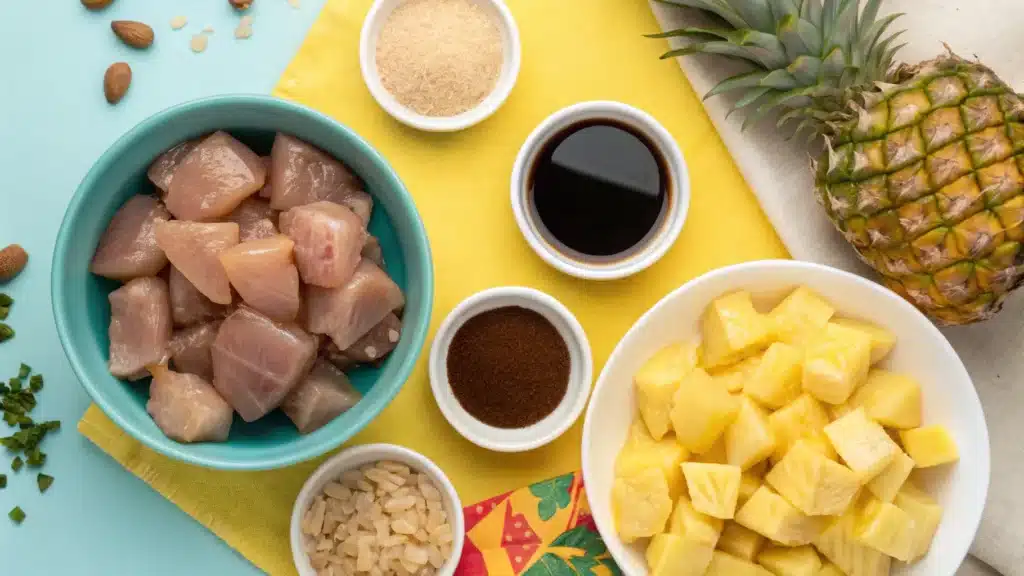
column 353, row 458
column 581, row 371
column 511, row 47
column 654, row 247
column 921, row 350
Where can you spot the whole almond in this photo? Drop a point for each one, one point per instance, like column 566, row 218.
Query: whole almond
column 96, row 4
column 134, row 34
column 116, row 81
column 12, row 261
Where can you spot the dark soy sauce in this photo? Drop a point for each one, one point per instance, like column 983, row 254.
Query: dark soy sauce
column 599, row 189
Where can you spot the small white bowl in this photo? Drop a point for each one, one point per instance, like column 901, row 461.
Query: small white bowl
column 653, row 248
column 353, row 458
column 511, row 47
column 581, row 371
column 921, row 351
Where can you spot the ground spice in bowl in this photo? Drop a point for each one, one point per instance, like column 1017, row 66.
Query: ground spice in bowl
column 508, row 367
column 439, row 57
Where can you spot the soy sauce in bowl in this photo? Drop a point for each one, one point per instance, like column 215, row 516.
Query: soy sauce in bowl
column 599, row 190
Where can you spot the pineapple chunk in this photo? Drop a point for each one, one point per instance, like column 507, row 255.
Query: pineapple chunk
column 799, row 418
column 749, row 439
column 820, row 443
column 687, row 521
column 801, row 316
column 759, row 469
column 723, row 564
column 930, row 446
column 716, row 455
column 674, row 555
column 813, row 483
column 882, row 341
column 641, row 504
column 862, row 444
column 740, row 542
column 830, row 569
column 926, row 514
column 836, row 362
column 771, row 516
column 749, row 483
column 657, row 382
column 840, row 546
column 642, row 452
column 714, row 488
column 799, row 561
column 777, row 379
column 888, row 529
column 887, row 484
column 734, row 376
column 892, row 400
column 702, row 410
column 733, row 330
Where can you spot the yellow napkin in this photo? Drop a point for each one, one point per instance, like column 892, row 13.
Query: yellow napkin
column 573, row 50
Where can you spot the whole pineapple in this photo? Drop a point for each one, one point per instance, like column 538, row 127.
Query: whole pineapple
column 920, row 171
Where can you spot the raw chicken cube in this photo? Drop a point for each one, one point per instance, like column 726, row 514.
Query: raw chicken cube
column 140, row 327
column 257, row 362
column 188, row 305
column 373, row 252
column 193, row 248
column 359, row 202
column 322, row 396
column 370, row 349
column 329, row 351
column 348, row 312
column 328, row 240
column 161, row 171
column 255, row 219
column 214, row 178
column 302, row 174
column 266, row 191
column 187, row 408
column 264, row 274
column 190, row 349
column 128, row 247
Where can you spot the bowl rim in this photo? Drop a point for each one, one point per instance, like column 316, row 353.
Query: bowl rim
column 59, row 304
column 459, row 417
column 504, row 84
column 797, row 266
column 339, row 463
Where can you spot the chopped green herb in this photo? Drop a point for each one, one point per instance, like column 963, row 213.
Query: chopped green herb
column 36, row 382
column 14, row 384
column 17, row 463
column 36, row 458
column 24, row 370
column 3, row 480
column 6, row 332
column 6, row 300
column 17, row 515
column 44, row 482
column 4, row 311
column 51, row 425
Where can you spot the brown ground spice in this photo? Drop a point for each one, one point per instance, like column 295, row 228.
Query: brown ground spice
column 508, row 367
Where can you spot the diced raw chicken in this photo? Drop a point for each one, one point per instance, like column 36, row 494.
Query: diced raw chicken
column 189, row 349
column 322, row 396
column 347, row 313
column 128, row 247
column 328, row 239
column 161, row 171
column 370, row 349
column 359, row 202
column 372, row 252
column 140, row 327
column 187, row 408
column 214, row 178
column 302, row 174
column 188, row 305
column 264, row 274
column 265, row 192
column 329, row 351
column 255, row 219
column 257, row 362
column 193, row 248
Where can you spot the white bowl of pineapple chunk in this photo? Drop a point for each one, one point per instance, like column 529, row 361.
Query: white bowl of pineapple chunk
column 785, row 418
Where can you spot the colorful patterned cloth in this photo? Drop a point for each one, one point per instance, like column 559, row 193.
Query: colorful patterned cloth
column 542, row 530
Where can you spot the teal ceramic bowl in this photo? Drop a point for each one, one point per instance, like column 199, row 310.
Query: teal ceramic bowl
column 82, row 312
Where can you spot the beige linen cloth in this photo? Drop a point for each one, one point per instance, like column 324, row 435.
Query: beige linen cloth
column 777, row 172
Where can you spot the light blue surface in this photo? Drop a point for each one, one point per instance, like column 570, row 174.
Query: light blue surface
column 98, row 519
